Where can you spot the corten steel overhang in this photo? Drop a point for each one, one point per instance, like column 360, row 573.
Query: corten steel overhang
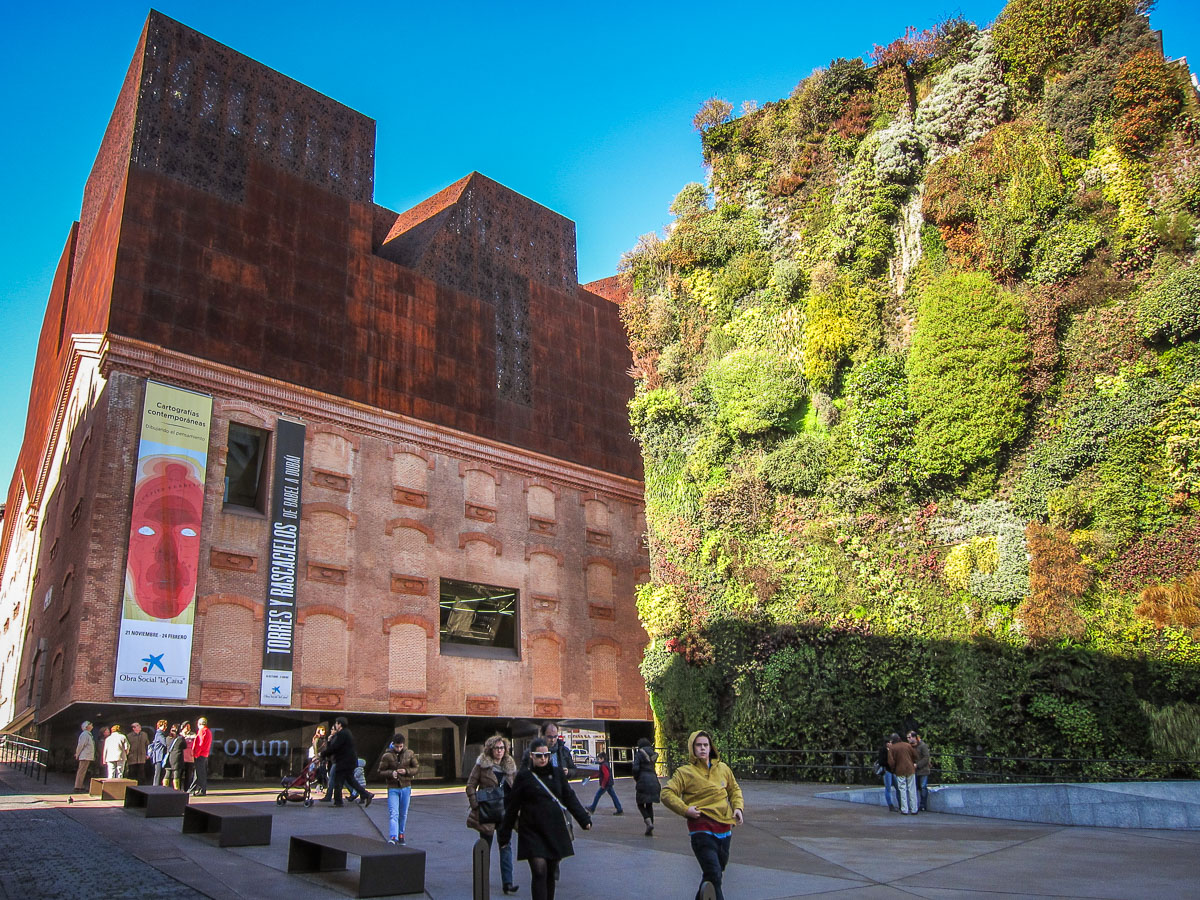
column 229, row 215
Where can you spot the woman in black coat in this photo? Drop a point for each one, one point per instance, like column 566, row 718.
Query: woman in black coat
column 535, row 806
column 647, row 788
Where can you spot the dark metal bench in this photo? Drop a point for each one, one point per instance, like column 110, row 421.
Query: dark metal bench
column 155, row 801
column 234, row 826
column 384, row 868
column 110, row 788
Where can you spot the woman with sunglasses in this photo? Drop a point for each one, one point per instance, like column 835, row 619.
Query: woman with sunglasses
column 538, row 806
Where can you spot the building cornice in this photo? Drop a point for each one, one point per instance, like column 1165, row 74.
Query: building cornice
column 122, row 354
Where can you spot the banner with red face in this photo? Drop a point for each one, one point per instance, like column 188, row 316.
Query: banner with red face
column 155, row 646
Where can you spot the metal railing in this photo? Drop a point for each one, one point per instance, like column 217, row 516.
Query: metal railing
column 28, row 757
column 858, row 767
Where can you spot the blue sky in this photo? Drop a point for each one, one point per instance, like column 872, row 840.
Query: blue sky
column 584, row 108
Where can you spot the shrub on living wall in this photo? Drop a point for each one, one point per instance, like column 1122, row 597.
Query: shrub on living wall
column 965, row 373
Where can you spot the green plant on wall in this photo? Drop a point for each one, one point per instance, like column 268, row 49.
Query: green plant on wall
column 917, row 394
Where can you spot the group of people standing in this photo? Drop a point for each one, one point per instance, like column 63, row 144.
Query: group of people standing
column 174, row 757
column 539, row 804
column 905, row 766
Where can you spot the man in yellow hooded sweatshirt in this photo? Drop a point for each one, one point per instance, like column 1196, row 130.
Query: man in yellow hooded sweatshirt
column 707, row 794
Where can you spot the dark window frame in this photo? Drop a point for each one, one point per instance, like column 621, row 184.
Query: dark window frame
column 480, row 620
column 259, row 463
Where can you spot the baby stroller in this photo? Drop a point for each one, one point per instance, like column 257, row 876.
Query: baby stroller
column 299, row 789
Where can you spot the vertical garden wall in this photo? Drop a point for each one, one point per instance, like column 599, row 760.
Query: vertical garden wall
column 919, row 400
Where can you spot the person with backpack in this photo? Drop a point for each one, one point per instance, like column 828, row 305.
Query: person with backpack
column 606, row 786
column 647, row 788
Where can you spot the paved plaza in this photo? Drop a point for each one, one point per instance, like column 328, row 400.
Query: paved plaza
column 792, row 845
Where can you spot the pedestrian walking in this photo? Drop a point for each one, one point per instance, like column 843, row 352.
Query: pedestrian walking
column 495, row 769
column 902, row 757
column 706, row 793
column 398, row 766
column 340, row 750
column 606, row 786
column 539, row 807
column 647, row 788
column 85, row 752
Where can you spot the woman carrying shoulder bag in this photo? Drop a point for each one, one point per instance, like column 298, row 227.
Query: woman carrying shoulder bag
column 491, row 781
column 538, row 806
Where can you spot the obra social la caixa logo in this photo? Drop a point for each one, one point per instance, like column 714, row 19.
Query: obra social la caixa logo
column 153, row 661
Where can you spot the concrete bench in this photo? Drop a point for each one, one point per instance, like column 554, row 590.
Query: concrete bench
column 234, row 826
column 384, row 868
column 110, row 788
column 155, row 801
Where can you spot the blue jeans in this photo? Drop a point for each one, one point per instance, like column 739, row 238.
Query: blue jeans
column 600, row 793
column 398, row 810
column 712, row 853
column 506, row 859
column 923, row 790
column 891, row 785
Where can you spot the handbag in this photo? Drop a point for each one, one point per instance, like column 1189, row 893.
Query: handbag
column 490, row 804
column 566, row 815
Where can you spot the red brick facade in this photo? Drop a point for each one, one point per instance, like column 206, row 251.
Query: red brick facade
column 464, row 400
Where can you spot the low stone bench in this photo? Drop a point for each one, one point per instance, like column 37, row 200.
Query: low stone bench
column 155, row 801
column 234, row 826
column 384, row 868
column 110, row 788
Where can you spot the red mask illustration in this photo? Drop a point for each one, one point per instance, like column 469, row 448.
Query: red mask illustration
column 164, row 543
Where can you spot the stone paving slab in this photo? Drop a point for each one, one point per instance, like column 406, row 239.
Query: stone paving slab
column 794, row 844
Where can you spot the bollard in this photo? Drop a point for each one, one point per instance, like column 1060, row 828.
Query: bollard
column 481, row 859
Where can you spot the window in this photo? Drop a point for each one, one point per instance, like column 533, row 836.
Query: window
column 478, row 619
column 245, row 464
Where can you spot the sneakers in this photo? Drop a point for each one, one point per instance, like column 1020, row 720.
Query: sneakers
column 619, row 812
column 400, row 840
column 367, row 800
column 511, row 888
column 392, row 841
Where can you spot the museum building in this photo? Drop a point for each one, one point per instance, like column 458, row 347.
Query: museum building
column 291, row 455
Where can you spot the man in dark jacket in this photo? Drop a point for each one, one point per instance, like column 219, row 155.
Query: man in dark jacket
column 341, row 751
column 560, row 754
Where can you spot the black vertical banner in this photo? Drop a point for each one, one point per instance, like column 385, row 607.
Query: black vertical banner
column 283, row 566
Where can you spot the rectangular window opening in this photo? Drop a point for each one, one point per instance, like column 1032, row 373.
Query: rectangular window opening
column 478, row 619
column 245, row 467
